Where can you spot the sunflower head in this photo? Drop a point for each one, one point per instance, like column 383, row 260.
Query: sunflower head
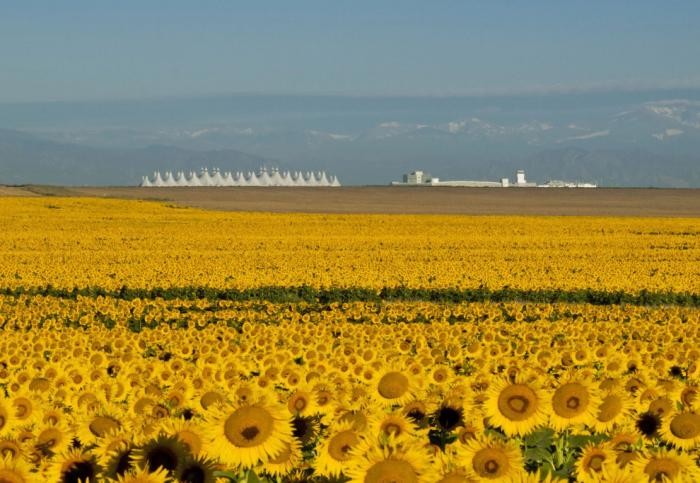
column 198, row 470
column 75, row 465
column 15, row 470
column 492, row 459
column 244, row 434
column 517, row 407
column 593, row 460
column 166, row 452
column 682, row 429
column 665, row 465
column 573, row 402
column 373, row 463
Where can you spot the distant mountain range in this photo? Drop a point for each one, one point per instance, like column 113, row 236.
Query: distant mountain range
column 614, row 139
column 26, row 159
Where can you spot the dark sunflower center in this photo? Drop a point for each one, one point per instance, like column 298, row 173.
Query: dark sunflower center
column 301, row 428
column 8, row 452
column 573, row 403
column 161, row 457
column 392, row 428
column 519, row 404
column 648, row 423
column 123, row 463
column 448, row 418
column 491, row 466
column 596, row 462
column 250, row 432
column 416, row 415
column 193, row 474
column 78, row 472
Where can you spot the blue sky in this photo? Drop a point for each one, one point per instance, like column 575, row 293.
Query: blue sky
column 83, row 50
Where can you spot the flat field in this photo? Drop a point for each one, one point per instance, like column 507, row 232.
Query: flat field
column 415, row 200
column 157, row 341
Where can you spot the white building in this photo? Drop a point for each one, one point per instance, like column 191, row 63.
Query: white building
column 262, row 178
column 555, row 183
column 420, row 178
column 415, row 177
column 520, row 180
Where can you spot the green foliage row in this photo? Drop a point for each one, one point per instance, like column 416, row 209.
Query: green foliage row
column 305, row 293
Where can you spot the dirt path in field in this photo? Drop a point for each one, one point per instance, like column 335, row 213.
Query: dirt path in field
column 472, row 201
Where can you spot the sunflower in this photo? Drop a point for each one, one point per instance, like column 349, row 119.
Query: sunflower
column 665, row 465
column 457, row 476
column 392, row 386
column 334, row 451
column 614, row 409
column 198, row 470
column 162, row 452
column 119, row 460
column 209, row 399
column 189, row 432
column 302, row 402
column 75, row 465
column 626, row 446
column 143, row 475
column 52, row 415
column 244, row 434
column 393, row 425
column 418, row 411
column 690, row 396
column 492, row 459
column 662, row 406
column 517, row 408
column 573, row 402
column 99, row 423
column 53, row 439
column 449, row 415
column 358, row 419
column 306, row 429
column 648, row 424
column 373, row 463
column 286, row 461
column 25, row 409
column 536, row 477
column 592, row 461
column 11, row 448
column 15, row 470
column 7, row 419
column 682, row 430
column 441, row 375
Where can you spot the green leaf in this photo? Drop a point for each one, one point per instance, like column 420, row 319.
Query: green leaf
column 537, row 454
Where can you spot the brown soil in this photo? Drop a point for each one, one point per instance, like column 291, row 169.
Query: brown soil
column 15, row 191
column 475, row 201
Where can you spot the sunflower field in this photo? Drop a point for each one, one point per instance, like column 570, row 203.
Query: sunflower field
column 145, row 342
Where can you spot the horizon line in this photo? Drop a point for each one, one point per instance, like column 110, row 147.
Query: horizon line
column 533, row 91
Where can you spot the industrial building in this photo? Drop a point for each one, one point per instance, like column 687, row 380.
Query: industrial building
column 263, row 177
column 421, row 178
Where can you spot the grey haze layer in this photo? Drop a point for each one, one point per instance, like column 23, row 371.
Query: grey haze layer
column 611, row 138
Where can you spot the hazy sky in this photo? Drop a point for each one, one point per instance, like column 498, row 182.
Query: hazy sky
column 76, row 50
